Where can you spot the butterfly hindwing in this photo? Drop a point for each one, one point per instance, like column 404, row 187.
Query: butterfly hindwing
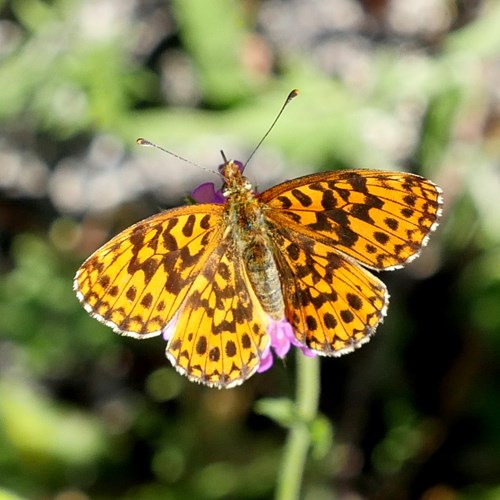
column 220, row 332
column 333, row 304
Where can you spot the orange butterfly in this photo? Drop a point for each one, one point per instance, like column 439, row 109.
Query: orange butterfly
column 218, row 278
column 225, row 282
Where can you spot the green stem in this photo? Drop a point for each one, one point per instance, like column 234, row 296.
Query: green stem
column 299, row 438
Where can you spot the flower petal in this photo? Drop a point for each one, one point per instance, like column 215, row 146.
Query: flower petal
column 280, row 332
column 206, row 193
column 266, row 361
column 282, row 338
column 169, row 328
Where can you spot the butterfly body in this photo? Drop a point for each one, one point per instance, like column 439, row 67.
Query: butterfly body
column 245, row 218
column 216, row 279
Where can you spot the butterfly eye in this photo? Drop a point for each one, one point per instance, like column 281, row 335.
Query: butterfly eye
column 223, row 166
column 240, row 165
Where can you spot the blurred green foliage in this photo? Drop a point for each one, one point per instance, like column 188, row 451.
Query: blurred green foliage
column 87, row 414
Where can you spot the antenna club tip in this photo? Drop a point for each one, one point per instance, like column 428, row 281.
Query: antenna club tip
column 142, row 142
column 294, row 93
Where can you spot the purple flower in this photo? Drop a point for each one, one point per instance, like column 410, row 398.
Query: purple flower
column 282, row 338
column 169, row 328
column 206, row 192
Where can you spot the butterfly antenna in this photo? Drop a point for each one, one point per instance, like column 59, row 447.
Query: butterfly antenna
column 294, row 93
column 144, row 142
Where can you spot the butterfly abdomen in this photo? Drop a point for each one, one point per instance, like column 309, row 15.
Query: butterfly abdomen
column 253, row 245
column 264, row 277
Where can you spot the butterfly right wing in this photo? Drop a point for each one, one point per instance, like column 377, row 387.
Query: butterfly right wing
column 138, row 280
column 332, row 302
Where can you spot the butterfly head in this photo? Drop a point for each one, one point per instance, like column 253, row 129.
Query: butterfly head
column 234, row 180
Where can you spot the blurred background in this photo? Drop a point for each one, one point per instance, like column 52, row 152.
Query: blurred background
column 388, row 84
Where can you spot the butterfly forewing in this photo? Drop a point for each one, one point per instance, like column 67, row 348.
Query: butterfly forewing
column 137, row 281
column 381, row 219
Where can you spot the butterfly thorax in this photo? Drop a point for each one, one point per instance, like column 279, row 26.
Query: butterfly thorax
column 251, row 241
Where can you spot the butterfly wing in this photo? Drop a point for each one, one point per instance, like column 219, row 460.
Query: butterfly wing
column 381, row 219
column 177, row 273
column 324, row 226
column 139, row 279
column 333, row 304
column 219, row 333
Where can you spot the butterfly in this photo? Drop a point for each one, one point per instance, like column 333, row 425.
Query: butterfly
column 221, row 280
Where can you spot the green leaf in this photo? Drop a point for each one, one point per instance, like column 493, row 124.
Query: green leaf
column 281, row 410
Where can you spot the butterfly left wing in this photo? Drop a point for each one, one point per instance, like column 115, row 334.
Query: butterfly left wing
column 176, row 273
column 137, row 281
column 220, row 331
